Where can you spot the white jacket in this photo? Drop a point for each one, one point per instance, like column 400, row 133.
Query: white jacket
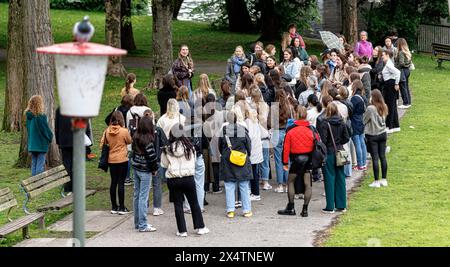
column 254, row 132
column 178, row 165
column 166, row 123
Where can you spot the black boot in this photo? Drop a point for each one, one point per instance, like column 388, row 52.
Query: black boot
column 288, row 211
column 304, row 211
column 205, row 203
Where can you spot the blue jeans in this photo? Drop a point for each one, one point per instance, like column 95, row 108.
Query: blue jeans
column 282, row 175
column 142, row 182
column 361, row 150
column 37, row 163
column 157, row 188
column 199, row 178
column 230, row 195
column 264, row 167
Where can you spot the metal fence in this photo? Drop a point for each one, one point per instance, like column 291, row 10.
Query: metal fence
column 431, row 33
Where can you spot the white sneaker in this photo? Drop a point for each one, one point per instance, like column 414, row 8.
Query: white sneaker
column 375, row 184
column 149, row 228
column 395, row 130
column 279, row 189
column 407, row 106
column 299, row 196
column 157, row 212
column 383, row 182
column 202, row 231
column 285, row 189
column 182, row 234
column 402, row 107
column 267, row 186
column 388, row 149
column 255, row 198
column 389, row 131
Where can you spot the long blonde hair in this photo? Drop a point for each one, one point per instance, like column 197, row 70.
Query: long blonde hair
column 285, row 41
column 402, row 45
column 204, row 85
column 35, row 105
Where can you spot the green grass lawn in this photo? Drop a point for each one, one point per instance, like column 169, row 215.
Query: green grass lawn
column 414, row 210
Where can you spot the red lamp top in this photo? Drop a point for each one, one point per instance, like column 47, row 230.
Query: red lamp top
column 81, row 49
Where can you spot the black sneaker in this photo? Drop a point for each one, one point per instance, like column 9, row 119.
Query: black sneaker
column 205, row 203
column 114, row 210
column 123, row 211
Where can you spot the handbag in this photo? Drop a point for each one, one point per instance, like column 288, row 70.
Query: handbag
column 236, row 157
column 103, row 161
column 342, row 156
column 319, row 154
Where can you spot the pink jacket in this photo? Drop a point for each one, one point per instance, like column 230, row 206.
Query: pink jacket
column 363, row 48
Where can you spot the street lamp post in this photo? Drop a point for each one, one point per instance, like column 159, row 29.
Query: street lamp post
column 80, row 72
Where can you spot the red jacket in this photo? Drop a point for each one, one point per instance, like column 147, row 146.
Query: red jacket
column 298, row 140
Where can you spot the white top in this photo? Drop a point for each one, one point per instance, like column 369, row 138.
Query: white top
column 312, row 115
column 254, row 132
column 343, row 110
column 391, row 72
column 303, row 97
column 166, row 123
column 178, row 165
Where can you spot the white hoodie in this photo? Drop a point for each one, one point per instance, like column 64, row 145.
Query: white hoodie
column 178, row 165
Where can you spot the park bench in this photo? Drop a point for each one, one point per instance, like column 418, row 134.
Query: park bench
column 8, row 202
column 43, row 182
column 441, row 52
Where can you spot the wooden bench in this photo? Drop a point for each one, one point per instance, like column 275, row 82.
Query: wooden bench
column 43, row 182
column 8, row 202
column 441, row 52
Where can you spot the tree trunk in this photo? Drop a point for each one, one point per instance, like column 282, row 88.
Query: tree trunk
column 126, row 26
column 162, row 11
column 39, row 71
column 270, row 24
column 14, row 69
column 350, row 20
column 238, row 16
column 176, row 8
column 112, row 33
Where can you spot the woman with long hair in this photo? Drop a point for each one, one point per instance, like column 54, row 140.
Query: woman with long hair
column 321, row 74
column 244, row 70
column 403, row 62
column 377, row 65
column 129, row 86
column 333, row 133
column 168, row 91
column 39, row 134
column 375, row 131
column 178, row 158
column 225, row 93
column 144, row 162
column 359, row 107
column 299, row 51
column 183, row 68
column 118, row 138
column 203, row 90
column 234, row 65
column 302, row 84
column 291, row 66
column 186, row 106
column 271, row 50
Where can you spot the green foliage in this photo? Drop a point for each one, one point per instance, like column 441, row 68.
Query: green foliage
column 403, row 16
column 301, row 12
column 89, row 5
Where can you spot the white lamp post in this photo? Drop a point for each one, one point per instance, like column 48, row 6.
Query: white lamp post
column 80, row 72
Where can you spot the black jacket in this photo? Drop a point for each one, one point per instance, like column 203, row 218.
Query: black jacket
column 198, row 138
column 120, row 108
column 340, row 133
column 160, row 142
column 261, row 65
column 164, row 94
column 145, row 162
column 63, row 130
column 240, row 141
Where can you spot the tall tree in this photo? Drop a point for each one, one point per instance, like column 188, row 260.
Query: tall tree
column 177, row 7
column 162, row 11
column 239, row 16
column 112, row 34
column 270, row 24
column 14, row 68
column 126, row 26
column 39, row 69
column 350, row 20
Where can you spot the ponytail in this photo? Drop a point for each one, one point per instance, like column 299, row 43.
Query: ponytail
column 131, row 78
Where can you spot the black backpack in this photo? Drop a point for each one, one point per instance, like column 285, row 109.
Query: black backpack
column 134, row 122
column 319, row 154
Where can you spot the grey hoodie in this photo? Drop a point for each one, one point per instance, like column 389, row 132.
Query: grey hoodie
column 374, row 123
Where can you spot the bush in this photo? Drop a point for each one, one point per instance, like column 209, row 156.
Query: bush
column 89, row 5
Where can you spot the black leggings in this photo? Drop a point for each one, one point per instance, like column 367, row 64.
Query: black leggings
column 118, row 174
column 376, row 145
column 390, row 97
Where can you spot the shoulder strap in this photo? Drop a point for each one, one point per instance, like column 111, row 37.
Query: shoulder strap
column 332, row 137
column 228, row 141
column 314, row 131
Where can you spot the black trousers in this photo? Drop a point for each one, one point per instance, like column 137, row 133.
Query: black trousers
column 376, row 145
column 67, row 158
column 254, row 183
column 215, row 182
column 178, row 188
column 404, row 87
column 390, row 97
column 118, row 174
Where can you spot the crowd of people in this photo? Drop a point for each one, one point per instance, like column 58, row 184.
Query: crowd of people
column 207, row 141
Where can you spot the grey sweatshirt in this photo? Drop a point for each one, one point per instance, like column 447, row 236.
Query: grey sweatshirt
column 374, row 123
